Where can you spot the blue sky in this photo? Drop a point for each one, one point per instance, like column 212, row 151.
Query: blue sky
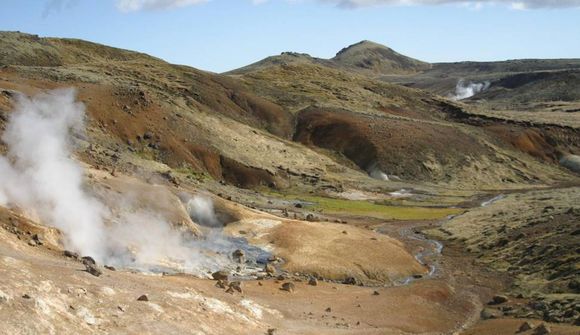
column 219, row 35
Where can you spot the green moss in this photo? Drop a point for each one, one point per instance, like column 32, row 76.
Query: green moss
column 190, row 173
column 368, row 208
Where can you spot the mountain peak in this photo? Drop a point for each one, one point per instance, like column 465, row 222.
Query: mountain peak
column 369, row 56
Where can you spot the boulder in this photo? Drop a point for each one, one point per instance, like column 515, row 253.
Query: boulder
column 236, row 286
column 525, row 327
column 270, row 269
column 542, row 329
column 239, row 256
column 499, row 299
column 490, row 313
column 350, row 281
column 288, row 287
column 143, row 297
column 313, row 281
column 220, row 275
column 89, row 260
column 93, row 269
column 70, row 254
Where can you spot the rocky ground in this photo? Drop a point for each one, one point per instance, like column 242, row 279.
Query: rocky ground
column 343, row 204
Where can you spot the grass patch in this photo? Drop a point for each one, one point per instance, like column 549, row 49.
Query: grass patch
column 368, row 208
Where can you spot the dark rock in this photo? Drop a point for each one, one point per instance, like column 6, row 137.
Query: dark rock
column 37, row 239
column 313, row 281
column 271, row 331
column 525, row 327
column 239, row 256
column 298, row 205
column 499, row 299
column 270, row 269
column 88, row 260
column 542, row 329
column 110, row 268
column 288, row 287
column 236, row 286
column 93, row 269
column 220, row 275
column 221, row 284
column 310, row 218
column 143, row 297
column 350, row 281
column 148, row 135
column 328, row 310
column 574, row 285
column 489, row 313
column 376, row 293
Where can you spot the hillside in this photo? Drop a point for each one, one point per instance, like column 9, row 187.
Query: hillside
column 293, row 196
column 375, row 59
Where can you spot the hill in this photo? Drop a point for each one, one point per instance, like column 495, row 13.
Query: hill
column 310, row 190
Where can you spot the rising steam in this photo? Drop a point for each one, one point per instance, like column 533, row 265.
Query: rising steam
column 39, row 176
column 464, row 90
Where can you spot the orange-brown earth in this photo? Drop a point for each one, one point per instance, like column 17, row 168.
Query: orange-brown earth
column 300, row 127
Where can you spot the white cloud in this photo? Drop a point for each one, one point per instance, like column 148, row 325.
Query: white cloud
column 136, row 5
column 521, row 4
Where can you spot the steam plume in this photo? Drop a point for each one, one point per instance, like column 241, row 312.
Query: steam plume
column 39, row 176
column 465, row 90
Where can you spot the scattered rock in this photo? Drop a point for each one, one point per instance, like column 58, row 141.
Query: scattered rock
column 93, row 269
column 271, row 331
column 148, row 135
column 328, row 310
column 376, row 293
column 71, row 254
column 236, row 286
column 310, row 218
column 110, row 268
column 542, row 329
column 525, row 327
column 221, row 284
column 288, row 287
column 4, row 298
column 313, row 281
column 499, row 299
column 270, row 269
column 143, row 297
column 350, row 281
column 239, row 256
column 88, row 260
column 298, row 205
column 220, row 275
column 489, row 313
column 26, row 296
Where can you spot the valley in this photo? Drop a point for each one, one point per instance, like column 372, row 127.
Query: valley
column 296, row 195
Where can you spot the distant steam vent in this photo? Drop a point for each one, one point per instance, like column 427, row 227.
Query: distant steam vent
column 467, row 89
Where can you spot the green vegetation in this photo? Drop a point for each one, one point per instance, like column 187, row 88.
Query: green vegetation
column 368, row 208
